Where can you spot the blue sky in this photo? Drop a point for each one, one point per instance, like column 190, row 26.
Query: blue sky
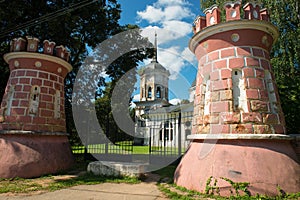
column 172, row 20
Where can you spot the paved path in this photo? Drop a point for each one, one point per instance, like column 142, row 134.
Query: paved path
column 111, row 191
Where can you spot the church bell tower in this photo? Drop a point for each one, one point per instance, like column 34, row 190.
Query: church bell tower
column 154, row 80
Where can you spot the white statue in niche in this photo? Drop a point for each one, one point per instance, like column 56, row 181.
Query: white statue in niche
column 271, row 92
column 239, row 92
column 34, row 100
column 10, row 96
column 207, row 98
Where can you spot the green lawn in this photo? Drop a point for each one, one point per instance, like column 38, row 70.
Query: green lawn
column 125, row 148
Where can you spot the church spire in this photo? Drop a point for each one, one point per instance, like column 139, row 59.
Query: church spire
column 154, row 59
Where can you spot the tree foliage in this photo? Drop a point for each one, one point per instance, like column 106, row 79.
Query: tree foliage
column 78, row 25
column 285, row 55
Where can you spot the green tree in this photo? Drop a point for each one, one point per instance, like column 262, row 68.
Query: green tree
column 107, row 120
column 78, row 25
column 285, row 55
column 73, row 23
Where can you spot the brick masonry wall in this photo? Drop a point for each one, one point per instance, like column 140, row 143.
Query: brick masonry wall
column 220, row 59
column 34, row 96
column 20, row 118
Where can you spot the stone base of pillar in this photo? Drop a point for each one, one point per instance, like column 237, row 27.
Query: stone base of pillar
column 29, row 154
column 266, row 164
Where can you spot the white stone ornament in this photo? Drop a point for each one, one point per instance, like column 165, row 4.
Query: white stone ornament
column 235, row 37
column 265, row 41
column 38, row 64
column 59, row 70
column 16, row 63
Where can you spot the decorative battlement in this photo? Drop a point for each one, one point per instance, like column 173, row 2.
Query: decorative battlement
column 31, row 44
column 252, row 11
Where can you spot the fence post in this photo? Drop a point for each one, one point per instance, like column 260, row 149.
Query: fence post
column 107, row 133
column 150, row 140
column 179, row 134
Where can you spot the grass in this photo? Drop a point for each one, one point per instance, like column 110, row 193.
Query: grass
column 51, row 183
column 59, row 181
column 173, row 191
column 166, row 172
column 68, row 179
column 125, row 148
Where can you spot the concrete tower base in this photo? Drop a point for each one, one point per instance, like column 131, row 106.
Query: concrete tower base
column 32, row 155
column 266, row 164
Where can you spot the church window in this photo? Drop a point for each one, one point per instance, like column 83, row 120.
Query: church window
column 158, row 92
column 149, row 92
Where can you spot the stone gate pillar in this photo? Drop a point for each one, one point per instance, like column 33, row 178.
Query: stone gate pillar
column 239, row 127
column 33, row 138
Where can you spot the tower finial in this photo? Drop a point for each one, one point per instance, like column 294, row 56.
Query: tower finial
column 154, row 59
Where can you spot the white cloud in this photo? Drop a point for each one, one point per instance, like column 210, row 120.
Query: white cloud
column 165, row 10
column 171, row 20
column 175, row 101
column 151, row 14
column 166, row 34
column 177, row 29
column 176, row 12
column 172, row 2
column 136, row 97
column 188, row 55
column 170, row 58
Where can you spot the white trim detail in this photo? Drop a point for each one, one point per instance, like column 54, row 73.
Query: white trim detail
column 14, row 55
column 260, row 25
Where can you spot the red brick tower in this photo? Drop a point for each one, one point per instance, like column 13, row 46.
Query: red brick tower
column 239, row 128
column 32, row 112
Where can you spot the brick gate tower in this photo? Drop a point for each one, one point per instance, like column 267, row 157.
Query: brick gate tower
column 33, row 138
column 239, row 127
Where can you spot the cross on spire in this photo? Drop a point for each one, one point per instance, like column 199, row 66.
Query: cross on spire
column 154, row 59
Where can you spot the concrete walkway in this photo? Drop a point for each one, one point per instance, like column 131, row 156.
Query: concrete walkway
column 111, row 191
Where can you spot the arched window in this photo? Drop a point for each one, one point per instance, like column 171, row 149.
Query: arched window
column 158, row 92
column 166, row 133
column 149, row 92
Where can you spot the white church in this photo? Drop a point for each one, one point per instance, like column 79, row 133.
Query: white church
column 159, row 123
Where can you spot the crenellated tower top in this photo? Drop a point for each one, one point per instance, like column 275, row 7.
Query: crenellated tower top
column 30, row 50
column 31, row 44
column 252, row 11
